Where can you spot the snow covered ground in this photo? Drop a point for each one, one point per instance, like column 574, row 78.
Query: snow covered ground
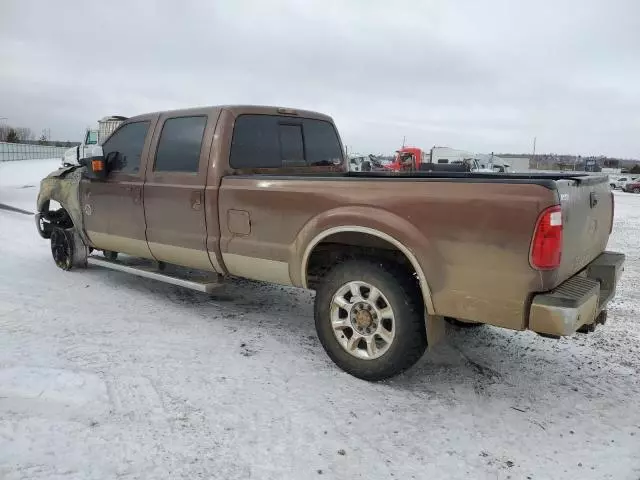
column 105, row 375
column 20, row 180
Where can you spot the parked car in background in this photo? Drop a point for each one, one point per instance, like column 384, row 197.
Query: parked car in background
column 612, row 182
column 632, row 186
column 622, row 181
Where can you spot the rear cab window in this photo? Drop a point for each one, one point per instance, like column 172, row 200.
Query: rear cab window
column 277, row 141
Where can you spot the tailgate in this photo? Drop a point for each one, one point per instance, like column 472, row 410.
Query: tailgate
column 587, row 213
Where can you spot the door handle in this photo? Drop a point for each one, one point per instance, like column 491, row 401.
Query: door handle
column 196, row 200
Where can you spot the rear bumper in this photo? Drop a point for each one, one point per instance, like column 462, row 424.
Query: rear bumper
column 578, row 301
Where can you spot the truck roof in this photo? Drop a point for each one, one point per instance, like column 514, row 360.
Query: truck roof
column 240, row 110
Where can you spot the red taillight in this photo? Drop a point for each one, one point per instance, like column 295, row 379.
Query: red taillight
column 546, row 247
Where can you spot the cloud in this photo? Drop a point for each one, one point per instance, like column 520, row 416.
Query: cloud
column 484, row 76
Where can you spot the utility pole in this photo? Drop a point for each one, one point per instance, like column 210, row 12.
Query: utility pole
column 403, row 140
column 534, row 153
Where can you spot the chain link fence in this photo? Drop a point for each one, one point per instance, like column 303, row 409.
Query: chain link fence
column 25, row 151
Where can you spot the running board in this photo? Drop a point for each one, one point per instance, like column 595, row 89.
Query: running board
column 206, row 285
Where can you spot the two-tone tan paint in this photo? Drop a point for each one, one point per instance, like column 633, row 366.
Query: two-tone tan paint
column 473, row 257
column 174, row 203
column 113, row 215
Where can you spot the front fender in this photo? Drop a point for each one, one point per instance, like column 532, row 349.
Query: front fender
column 370, row 221
column 63, row 186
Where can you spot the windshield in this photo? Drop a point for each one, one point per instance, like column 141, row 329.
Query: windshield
column 92, row 137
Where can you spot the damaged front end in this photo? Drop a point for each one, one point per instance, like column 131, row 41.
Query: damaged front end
column 61, row 187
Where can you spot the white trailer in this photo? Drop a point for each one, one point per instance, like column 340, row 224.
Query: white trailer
column 479, row 162
column 450, row 155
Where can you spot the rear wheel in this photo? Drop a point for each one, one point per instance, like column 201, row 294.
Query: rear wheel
column 370, row 319
column 636, row 190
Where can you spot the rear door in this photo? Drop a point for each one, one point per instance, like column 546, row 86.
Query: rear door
column 174, row 189
column 255, row 233
column 113, row 212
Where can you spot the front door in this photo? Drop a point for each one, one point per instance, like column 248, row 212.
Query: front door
column 113, row 211
column 175, row 187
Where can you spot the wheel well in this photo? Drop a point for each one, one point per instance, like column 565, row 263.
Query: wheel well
column 55, row 213
column 342, row 246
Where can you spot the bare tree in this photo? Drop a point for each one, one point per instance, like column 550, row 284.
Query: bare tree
column 12, row 136
column 43, row 138
column 4, row 131
column 24, row 134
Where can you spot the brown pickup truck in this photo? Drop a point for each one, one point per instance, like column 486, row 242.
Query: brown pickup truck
column 192, row 196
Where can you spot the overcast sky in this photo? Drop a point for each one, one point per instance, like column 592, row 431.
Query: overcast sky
column 478, row 75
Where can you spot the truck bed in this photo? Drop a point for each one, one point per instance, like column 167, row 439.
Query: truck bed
column 542, row 176
column 544, row 179
column 474, row 229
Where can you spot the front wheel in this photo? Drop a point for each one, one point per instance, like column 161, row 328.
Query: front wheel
column 636, row 190
column 68, row 249
column 370, row 319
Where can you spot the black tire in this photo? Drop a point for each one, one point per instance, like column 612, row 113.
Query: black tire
column 67, row 249
column 462, row 324
column 403, row 295
column 62, row 248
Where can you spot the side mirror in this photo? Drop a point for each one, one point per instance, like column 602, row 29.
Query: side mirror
column 96, row 164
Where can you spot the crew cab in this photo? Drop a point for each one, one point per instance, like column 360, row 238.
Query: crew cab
column 191, row 197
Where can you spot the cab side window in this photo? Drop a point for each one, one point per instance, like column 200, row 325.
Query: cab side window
column 123, row 149
column 180, row 144
column 255, row 143
column 275, row 141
